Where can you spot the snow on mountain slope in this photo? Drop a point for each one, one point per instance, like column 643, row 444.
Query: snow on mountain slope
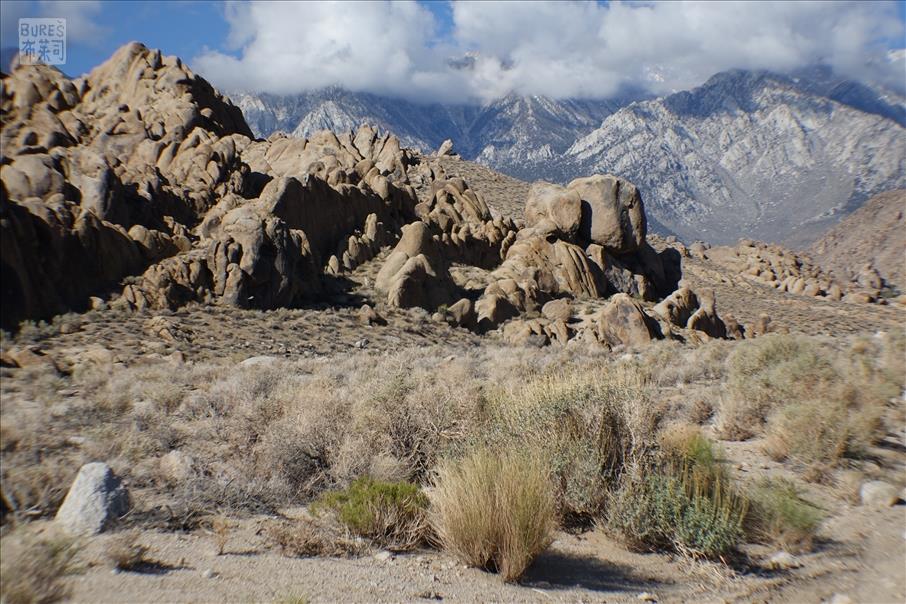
column 747, row 154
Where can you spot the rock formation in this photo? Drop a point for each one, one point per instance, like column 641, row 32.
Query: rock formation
column 141, row 178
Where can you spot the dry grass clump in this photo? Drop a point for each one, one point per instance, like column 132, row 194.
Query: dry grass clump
column 841, row 417
column 494, row 510
column 766, row 373
column 390, row 514
column 700, row 364
column 307, row 538
column 778, row 515
column 124, row 552
column 820, row 403
column 586, row 425
column 34, row 567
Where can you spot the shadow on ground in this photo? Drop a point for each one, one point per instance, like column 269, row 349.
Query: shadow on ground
column 560, row 570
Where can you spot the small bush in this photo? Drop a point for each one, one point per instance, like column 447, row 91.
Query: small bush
column 778, row 515
column 392, row 514
column 766, row 373
column 685, row 501
column 33, row 570
column 125, row 553
column 494, row 511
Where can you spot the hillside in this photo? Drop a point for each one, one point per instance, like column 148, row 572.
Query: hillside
column 874, row 235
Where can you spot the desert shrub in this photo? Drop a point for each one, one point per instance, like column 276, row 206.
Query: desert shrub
column 810, row 432
column 683, row 501
column 391, row 514
column 307, row 538
column 778, row 515
column 494, row 510
column 586, row 425
column 33, row 569
column 765, row 373
column 124, row 552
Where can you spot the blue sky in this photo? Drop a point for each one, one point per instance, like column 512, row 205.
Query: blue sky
column 564, row 49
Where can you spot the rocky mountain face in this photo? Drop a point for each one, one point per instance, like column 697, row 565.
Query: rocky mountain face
column 752, row 154
column 868, row 245
column 142, row 184
column 516, row 135
column 755, row 154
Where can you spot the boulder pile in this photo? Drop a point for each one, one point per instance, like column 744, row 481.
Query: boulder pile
column 794, row 273
column 141, row 183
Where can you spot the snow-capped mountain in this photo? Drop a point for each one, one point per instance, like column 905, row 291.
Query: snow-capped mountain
column 516, row 135
column 757, row 154
column 753, row 154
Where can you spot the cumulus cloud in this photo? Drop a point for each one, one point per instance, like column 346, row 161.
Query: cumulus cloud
column 554, row 49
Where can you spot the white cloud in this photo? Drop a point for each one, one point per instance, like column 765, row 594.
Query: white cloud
column 555, row 49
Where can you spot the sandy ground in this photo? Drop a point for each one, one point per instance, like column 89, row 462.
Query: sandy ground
column 861, row 554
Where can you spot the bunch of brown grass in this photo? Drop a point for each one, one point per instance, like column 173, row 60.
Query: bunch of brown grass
column 494, row 511
column 307, row 538
column 586, row 425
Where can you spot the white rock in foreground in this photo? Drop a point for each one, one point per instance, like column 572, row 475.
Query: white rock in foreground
column 96, row 498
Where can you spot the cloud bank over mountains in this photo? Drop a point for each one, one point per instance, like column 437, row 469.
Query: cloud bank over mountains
column 562, row 50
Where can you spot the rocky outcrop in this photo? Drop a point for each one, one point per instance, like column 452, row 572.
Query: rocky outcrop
column 141, row 178
column 788, row 271
column 416, row 273
column 141, row 167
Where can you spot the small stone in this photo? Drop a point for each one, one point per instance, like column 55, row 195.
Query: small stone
column 878, row 494
column 783, row 560
column 258, row 361
column 209, row 574
column 647, row 597
column 840, row 599
column 383, row 556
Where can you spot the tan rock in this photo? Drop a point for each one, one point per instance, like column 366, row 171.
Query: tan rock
column 612, row 213
column 624, row 322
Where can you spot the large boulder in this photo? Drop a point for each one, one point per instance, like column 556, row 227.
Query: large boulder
column 612, row 213
column 95, row 500
column 623, row 321
column 416, row 273
column 678, row 307
column 553, row 210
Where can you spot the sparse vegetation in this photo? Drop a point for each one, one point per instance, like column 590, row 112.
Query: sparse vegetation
column 34, row 567
column 391, row 514
column 780, row 516
column 494, row 509
column 124, row 552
